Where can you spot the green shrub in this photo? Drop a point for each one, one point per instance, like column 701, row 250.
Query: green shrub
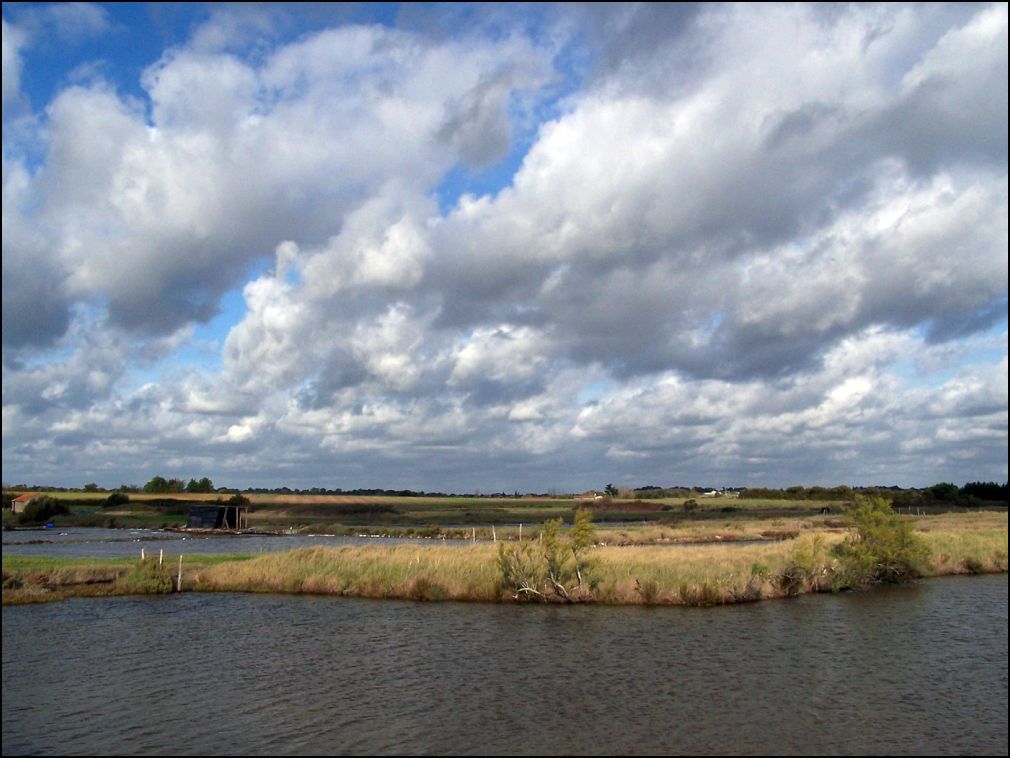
column 116, row 498
column 41, row 509
column 804, row 570
column 556, row 568
column 881, row 548
column 147, row 577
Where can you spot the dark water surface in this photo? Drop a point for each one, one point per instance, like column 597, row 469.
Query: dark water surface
column 917, row 669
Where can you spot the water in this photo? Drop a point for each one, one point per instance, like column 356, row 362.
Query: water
column 79, row 542
column 910, row 670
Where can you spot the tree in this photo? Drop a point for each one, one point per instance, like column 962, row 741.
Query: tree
column 881, row 547
column 986, row 491
column 554, row 568
column 204, row 485
column 156, row 484
column 610, row 490
column 945, row 491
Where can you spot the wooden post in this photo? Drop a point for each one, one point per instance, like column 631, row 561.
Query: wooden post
column 141, row 554
column 520, row 531
column 161, row 557
column 474, row 535
column 494, row 537
column 178, row 581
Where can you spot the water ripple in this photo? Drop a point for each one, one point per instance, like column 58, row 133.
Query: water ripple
column 919, row 669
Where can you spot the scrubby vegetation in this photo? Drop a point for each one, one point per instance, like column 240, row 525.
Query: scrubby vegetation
column 707, row 558
column 42, row 509
column 146, row 577
column 553, row 567
column 881, row 547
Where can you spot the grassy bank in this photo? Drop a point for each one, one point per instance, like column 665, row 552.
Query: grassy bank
column 698, row 574
column 40, row 579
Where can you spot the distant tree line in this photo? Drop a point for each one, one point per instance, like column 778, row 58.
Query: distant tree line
column 945, row 493
column 972, row 493
column 161, row 485
column 798, row 493
column 386, row 492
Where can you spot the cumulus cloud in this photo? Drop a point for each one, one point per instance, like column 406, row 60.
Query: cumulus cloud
column 752, row 244
column 12, row 40
column 169, row 205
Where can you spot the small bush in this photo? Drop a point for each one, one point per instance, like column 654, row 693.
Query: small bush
column 804, row 569
column 147, row 577
column 647, row 590
column 116, row 498
column 556, row 568
column 424, row 588
column 704, row 595
column 973, row 565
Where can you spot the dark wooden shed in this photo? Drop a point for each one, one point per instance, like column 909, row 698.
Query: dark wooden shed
column 217, row 517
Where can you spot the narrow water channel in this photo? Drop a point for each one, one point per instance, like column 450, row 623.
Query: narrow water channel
column 920, row 669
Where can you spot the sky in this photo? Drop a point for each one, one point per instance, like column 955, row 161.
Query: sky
column 504, row 247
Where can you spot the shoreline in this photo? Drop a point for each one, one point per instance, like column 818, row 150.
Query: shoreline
column 700, row 574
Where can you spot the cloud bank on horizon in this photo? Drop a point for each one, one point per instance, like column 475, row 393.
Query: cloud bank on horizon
column 505, row 247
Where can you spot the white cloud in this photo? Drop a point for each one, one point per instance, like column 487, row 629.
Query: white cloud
column 737, row 252
column 12, row 39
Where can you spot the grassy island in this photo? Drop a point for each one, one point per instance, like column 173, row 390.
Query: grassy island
column 705, row 563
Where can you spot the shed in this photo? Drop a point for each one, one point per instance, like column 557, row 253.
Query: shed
column 217, row 517
column 19, row 503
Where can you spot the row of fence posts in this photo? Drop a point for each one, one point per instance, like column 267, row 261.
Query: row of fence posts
column 178, row 580
column 494, row 535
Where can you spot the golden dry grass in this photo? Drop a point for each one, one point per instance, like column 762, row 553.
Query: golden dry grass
column 407, row 571
column 677, row 574
column 652, row 574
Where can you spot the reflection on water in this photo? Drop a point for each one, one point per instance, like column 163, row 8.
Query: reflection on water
column 918, row 669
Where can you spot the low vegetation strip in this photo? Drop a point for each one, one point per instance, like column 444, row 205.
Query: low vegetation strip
column 816, row 560
column 38, row 579
column 690, row 575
